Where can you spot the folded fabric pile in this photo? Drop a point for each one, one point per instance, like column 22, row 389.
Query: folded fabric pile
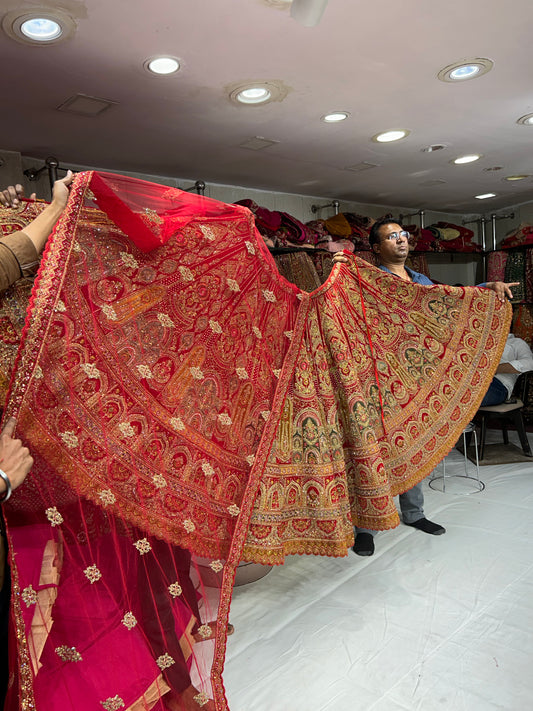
column 518, row 237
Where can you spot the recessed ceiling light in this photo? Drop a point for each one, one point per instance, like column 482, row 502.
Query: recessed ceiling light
column 485, row 196
column 257, row 93
column 466, row 69
column 39, row 26
column 162, row 65
column 466, row 159
column 526, row 120
column 512, row 178
column 394, row 134
column 335, row 116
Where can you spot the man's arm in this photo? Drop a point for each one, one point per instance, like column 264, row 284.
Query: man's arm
column 522, row 361
column 10, row 197
column 15, row 459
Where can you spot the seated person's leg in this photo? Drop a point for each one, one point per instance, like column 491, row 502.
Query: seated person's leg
column 495, row 395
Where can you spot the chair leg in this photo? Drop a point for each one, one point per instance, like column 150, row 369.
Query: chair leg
column 505, row 434
column 482, row 437
column 519, row 424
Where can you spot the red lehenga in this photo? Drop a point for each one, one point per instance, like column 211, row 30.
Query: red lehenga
column 188, row 408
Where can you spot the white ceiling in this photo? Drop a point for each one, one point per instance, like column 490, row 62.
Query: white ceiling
column 377, row 59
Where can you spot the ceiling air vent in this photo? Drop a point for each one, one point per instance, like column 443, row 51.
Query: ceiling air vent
column 84, row 105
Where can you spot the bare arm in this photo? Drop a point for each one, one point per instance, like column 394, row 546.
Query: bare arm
column 40, row 228
column 15, row 460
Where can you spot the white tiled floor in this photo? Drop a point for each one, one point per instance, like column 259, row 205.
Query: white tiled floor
column 428, row 623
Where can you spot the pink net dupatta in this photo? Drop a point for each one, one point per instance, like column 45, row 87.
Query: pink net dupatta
column 187, row 407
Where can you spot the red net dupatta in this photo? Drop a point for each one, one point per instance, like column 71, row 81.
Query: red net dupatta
column 187, row 407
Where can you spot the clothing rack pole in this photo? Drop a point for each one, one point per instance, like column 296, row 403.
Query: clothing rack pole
column 481, row 221
column 334, row 204
column 493, row 218
column 419, row 213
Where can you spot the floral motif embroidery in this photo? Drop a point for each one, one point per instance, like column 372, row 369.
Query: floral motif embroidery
column 129, row 260
column 269, row 295
column 143, row 546
column 216, row 566
column 207, row 232
column 257, row 332
column 77, row 247
column 205, row 631
column 70, row 439
column 177, row 423
column 288, row 334
column 207, row 469
column 250, row 247
column 165, row 661
column 38, row 372
column 277, row 372
column 201, row 699
column 109, row 312
column 186, row 273
column 68, row 654
column 265, row 414
column 113, row 703
column 144, row 371
column 53, row 515
column 165, row 320
column 129, row 620
column 60, row 306
column 250, row 459
column 107, row 497
column 234, row 510
column 215, row 326
column 151, row 216
column 188, row 525
column 126, row 429
column 29, row 596
column 233, row 285
column 242, row 374
column 90, row 370
column 224, row 419
column 92, row 574
column 159, row 481
column 196, row 373
column 175, row 589
column 299, row 296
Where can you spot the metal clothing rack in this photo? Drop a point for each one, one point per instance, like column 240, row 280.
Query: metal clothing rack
column 419, row 213
column 51, row 164
column 334, row 204
column 199, row 186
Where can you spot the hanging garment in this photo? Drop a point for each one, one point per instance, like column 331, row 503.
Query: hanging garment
column 188, row 408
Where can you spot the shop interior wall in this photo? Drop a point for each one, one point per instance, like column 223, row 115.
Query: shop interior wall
column 446, row 268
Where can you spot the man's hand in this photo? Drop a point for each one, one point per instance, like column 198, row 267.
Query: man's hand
column 340, row 258
column 502, row 289
column 60, row 191
column 15, row 460
column 10, row 197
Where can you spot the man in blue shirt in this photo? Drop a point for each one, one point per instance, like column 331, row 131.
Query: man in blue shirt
column 391, row 243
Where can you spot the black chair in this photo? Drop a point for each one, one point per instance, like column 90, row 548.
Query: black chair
column 508, row 412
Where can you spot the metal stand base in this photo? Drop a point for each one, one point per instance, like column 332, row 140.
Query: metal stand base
column 438, row 482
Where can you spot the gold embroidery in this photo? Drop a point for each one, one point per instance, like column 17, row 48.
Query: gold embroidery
column 129, row 260
column 224, row 419
column 269, row 295
column 159, row 481
column 107, row 497
column 70, row 439
column 186, row 273
column 233, row 285
column 216, row 566
column 207, row 469
column 250, row 247
column 215, row 326
column 68, row 654
column 165, row 320
column 201, row 699
column 126, row 429
column 90, row 370
column 53, row 515
column 60, row 306
column 175, row 589
column 92, row 574
column 196, row 373
column 143, row 546
column 165, row 661
column 234, row 510
column 29, row 596
column 129, row 620
column 188, row 525
column 177, row 423
column 109, row 312
column 242, row 373
column 257, row 332
column 205, row 631
column 144, row 371
column 113, row 703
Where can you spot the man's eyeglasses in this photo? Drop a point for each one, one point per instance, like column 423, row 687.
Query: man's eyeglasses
column 397, row 235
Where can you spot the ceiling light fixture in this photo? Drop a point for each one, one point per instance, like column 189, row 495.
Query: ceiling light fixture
column 526, row 120
column 257, row 93
column 308, row 12
column 393, row 134
column 512, row 178
column 162, row 65
column 462, row 160
column 335, row 117
column 485, row 196
column 38, row 26
column 466, row 69
column 434, row 147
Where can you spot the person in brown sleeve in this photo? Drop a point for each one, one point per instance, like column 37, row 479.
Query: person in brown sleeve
column 19, row 251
